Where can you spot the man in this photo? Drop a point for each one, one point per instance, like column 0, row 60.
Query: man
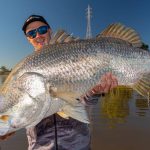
column 55, row 132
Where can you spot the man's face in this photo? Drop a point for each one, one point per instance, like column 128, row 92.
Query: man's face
column 40, row 39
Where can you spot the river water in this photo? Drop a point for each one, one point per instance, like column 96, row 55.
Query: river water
column 120, row 121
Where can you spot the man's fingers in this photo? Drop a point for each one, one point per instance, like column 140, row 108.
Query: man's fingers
column 107, row 82
column 97, row 89
column 114, row 82
column 107, row 85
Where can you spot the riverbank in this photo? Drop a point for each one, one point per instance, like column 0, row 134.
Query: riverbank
column 4, row 73
column 2, row 78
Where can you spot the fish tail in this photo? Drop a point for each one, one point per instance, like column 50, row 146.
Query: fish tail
column 143, row 85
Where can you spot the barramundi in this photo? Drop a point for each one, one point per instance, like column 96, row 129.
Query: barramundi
column 53, row 79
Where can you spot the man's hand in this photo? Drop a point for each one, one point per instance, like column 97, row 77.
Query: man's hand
column 107, row 82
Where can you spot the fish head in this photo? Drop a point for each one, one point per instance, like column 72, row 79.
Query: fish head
column 25, row 101
column 4, row 128
column 14, row 114
column 4, row 125
column 2, row 101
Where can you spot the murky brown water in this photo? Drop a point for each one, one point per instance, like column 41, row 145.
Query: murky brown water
column 120, row 121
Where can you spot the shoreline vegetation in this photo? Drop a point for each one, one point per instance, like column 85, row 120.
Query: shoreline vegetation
column 4, row 70
column 5, row 73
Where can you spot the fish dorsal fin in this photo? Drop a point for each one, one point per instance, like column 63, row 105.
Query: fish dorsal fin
column 117, row 30
column 62, row 36
column 142, row 86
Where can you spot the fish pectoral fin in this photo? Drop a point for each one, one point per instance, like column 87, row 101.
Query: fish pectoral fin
column 118, row 30
column 78, row 112
column 4, row 118
column 70, row 97
column 143, row 85
column 63, row 115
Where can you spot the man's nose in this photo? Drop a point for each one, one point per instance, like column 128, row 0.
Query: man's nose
column 37, row 34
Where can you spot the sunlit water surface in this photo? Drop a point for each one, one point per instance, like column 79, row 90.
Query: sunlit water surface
column 120, row 121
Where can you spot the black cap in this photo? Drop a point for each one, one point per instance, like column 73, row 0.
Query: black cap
column 33, row 18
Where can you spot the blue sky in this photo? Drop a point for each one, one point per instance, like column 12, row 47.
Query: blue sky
column 69, row 15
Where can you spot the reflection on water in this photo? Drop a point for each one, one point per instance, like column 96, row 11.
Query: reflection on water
column 142, row 106
column 115, row 106
column 120, row 121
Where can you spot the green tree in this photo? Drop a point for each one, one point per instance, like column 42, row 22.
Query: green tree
column 4, row 69
column 145, row 46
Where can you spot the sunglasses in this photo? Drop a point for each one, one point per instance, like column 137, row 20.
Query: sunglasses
column 41, row 30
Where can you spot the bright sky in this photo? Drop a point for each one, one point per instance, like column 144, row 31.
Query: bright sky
column 69, row 15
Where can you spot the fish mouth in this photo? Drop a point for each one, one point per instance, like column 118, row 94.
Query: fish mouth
column 4, row 128
column 5, row 125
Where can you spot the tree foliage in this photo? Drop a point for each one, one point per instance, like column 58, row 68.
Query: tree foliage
column 145, row 47
column 4, row 70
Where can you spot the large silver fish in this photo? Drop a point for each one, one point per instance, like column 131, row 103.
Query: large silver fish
column 51, row 80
